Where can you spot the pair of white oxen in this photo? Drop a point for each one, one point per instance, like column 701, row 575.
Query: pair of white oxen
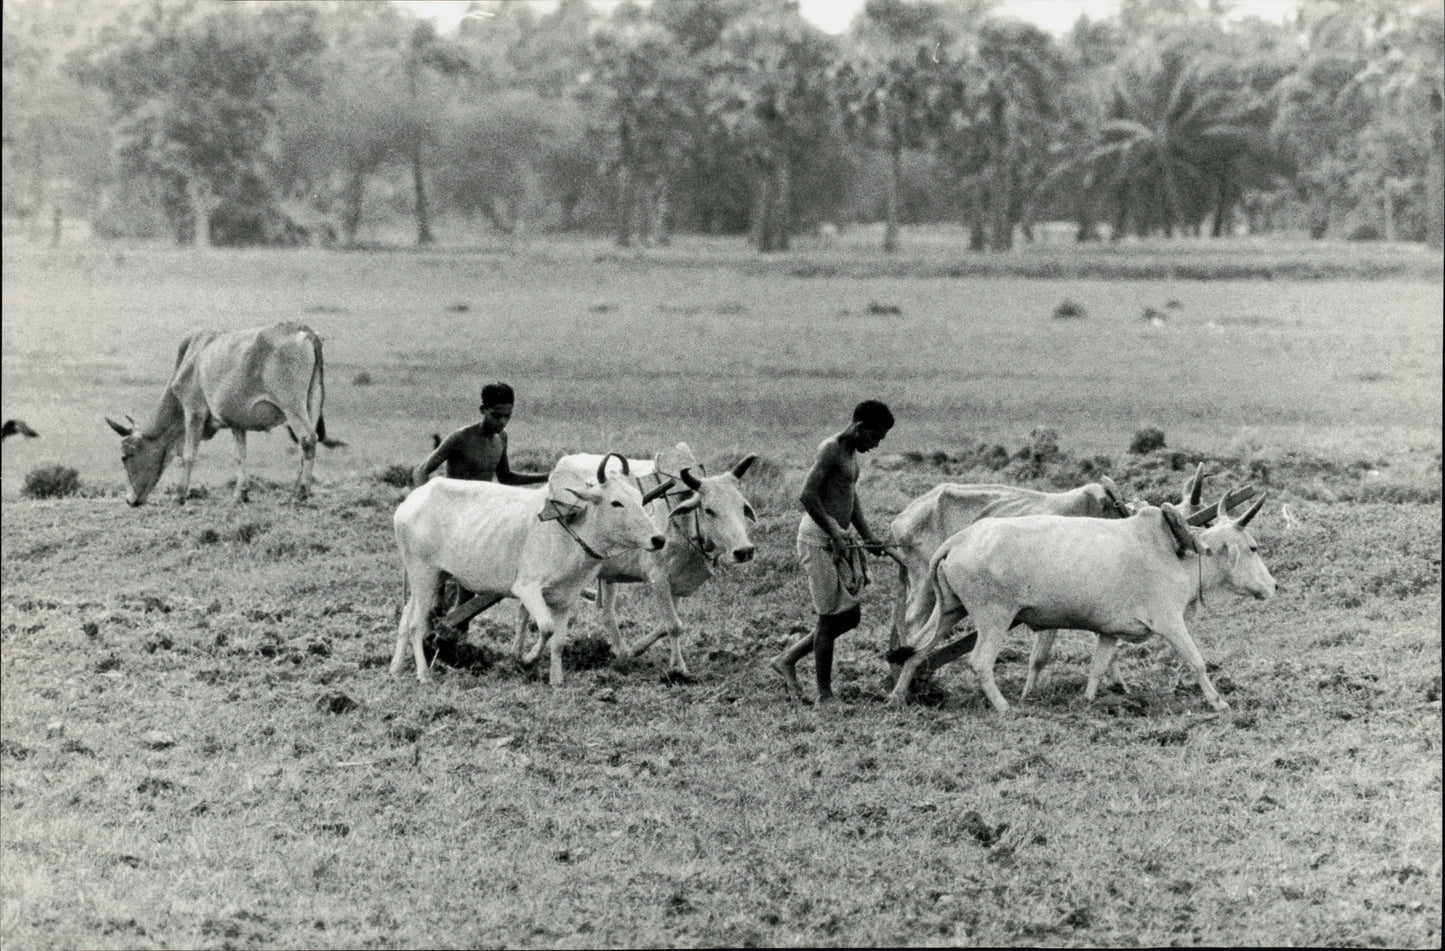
column 1003, row 555
column 1085, row 559
column 545, row 544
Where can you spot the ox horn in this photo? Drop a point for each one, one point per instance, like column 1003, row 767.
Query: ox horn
column 602, row 467
column 1113, row 494
column 657, row 492
column 1253, row 510
column 742, row 467
column 1194, row 488
column 1230, row 499
column 119, row 428
column 1183, row 538
column 690, row 480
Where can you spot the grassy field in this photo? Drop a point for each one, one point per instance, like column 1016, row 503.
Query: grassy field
column 202, row 746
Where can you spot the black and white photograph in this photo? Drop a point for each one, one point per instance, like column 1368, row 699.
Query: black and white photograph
column 721, row 473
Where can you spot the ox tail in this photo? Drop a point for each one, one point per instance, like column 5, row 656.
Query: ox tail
column 318, row 382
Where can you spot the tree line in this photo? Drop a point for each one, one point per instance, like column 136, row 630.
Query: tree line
column 293, row 122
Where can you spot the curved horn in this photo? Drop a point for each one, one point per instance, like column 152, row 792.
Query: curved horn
column 1183, row 538
column 742, row 466
column 1253, row 510
column 602, row 467
column 121, row 429
column 657, row 492
column 1194, row 487
column 690, row 480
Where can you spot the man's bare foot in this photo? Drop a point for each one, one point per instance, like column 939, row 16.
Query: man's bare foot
column 783, row 669
column 828, row 701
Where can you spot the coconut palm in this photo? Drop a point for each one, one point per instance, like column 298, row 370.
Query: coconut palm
column 1183, row 136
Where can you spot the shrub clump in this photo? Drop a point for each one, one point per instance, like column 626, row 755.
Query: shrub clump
column 1069, row 309
column 1147, row 440
column 396, row 474
column 51, row 482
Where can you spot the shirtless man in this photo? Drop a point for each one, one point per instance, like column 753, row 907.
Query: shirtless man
column 479, row 451
column 831, row 558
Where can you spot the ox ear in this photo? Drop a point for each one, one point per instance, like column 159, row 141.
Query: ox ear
column 741, row 468
column 687, row 506
column 1184, row 540
column 122, row 430
column 748, row 512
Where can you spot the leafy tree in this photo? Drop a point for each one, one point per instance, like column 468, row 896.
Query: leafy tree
column 505, row 153
column 56, row 146
column 426, row 53
column 770, row 92
column 193, row 87
column 1011, row 71
column 639, row 88
column 897, row 91
column 1182, row 137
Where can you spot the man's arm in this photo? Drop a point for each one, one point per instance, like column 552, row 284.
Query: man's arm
column 421, row 473
column 812, row 495
column 506, row 476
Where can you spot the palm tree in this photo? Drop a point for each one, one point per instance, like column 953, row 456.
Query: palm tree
column 1182, row 137
column 1011, row 72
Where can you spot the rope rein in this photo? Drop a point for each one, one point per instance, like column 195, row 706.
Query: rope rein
column 591, row 553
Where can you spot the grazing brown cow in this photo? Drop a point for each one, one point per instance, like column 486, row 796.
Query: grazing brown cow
column 244, row 380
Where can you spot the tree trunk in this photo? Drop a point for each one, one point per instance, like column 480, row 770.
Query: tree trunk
column 772, row 223
column 351, row 207
column 1001, row 223
column 654, row 223
column 626, row 185
column 203, row 202
column 423, row 222
column 1435, row 174
column 890, row 196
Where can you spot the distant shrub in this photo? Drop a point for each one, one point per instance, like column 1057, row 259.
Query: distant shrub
column 1147, row 440
column 361, row 379
column 51, row 482
column 395, row 474
column 1070, row 310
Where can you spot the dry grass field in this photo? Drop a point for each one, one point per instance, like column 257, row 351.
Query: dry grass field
column 202, row 746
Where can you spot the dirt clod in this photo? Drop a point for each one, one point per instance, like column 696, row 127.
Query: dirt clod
column 336, row 703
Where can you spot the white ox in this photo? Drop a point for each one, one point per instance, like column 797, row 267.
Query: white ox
column 1122, row 579
column 1197, row 514
column 704, row 527
column 244, row 380
column 490, row 537
column 945, row 510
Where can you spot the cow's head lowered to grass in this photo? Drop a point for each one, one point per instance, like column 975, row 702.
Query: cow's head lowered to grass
column 1235, row 553
column 144, row 456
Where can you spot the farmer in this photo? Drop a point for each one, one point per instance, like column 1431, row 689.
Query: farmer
column 831, row 556
column 477, row 452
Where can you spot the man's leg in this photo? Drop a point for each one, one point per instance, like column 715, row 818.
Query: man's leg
column 786, row 662
column 830, row 628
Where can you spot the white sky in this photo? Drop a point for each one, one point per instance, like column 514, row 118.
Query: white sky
column 1056, row 16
